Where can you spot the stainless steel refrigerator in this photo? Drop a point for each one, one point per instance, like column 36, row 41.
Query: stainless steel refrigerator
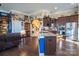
column 71, row 31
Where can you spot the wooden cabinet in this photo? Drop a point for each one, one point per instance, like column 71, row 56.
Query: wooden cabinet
column 47, row 21
column 50, row 45
column 61, row 20
column 27, row 28
column 65, row 19
column 27, row 25
column 3, row 24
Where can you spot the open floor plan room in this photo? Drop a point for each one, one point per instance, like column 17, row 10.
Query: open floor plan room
column 39, row 29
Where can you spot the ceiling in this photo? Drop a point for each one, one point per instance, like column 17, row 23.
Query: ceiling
column 33, row 7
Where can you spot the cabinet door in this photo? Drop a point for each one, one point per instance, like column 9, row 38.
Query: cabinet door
column 50, row 46
column 3, row 24
column 27, row 33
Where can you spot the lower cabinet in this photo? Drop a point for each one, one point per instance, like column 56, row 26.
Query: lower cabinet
column 50, row 45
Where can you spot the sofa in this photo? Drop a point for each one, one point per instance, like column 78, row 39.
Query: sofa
column 9, row 40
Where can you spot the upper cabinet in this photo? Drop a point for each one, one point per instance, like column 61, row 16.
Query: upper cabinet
column 65, row 19
column 47, row 21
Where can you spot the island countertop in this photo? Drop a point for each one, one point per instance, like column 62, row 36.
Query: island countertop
column 47, row 33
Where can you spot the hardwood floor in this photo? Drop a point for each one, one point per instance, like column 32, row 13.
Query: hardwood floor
column 29, row 48
column 64, row 48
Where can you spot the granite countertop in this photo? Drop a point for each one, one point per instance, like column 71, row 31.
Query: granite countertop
column 49, row 34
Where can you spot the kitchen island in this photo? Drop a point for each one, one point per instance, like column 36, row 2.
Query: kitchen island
column 50, row 43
